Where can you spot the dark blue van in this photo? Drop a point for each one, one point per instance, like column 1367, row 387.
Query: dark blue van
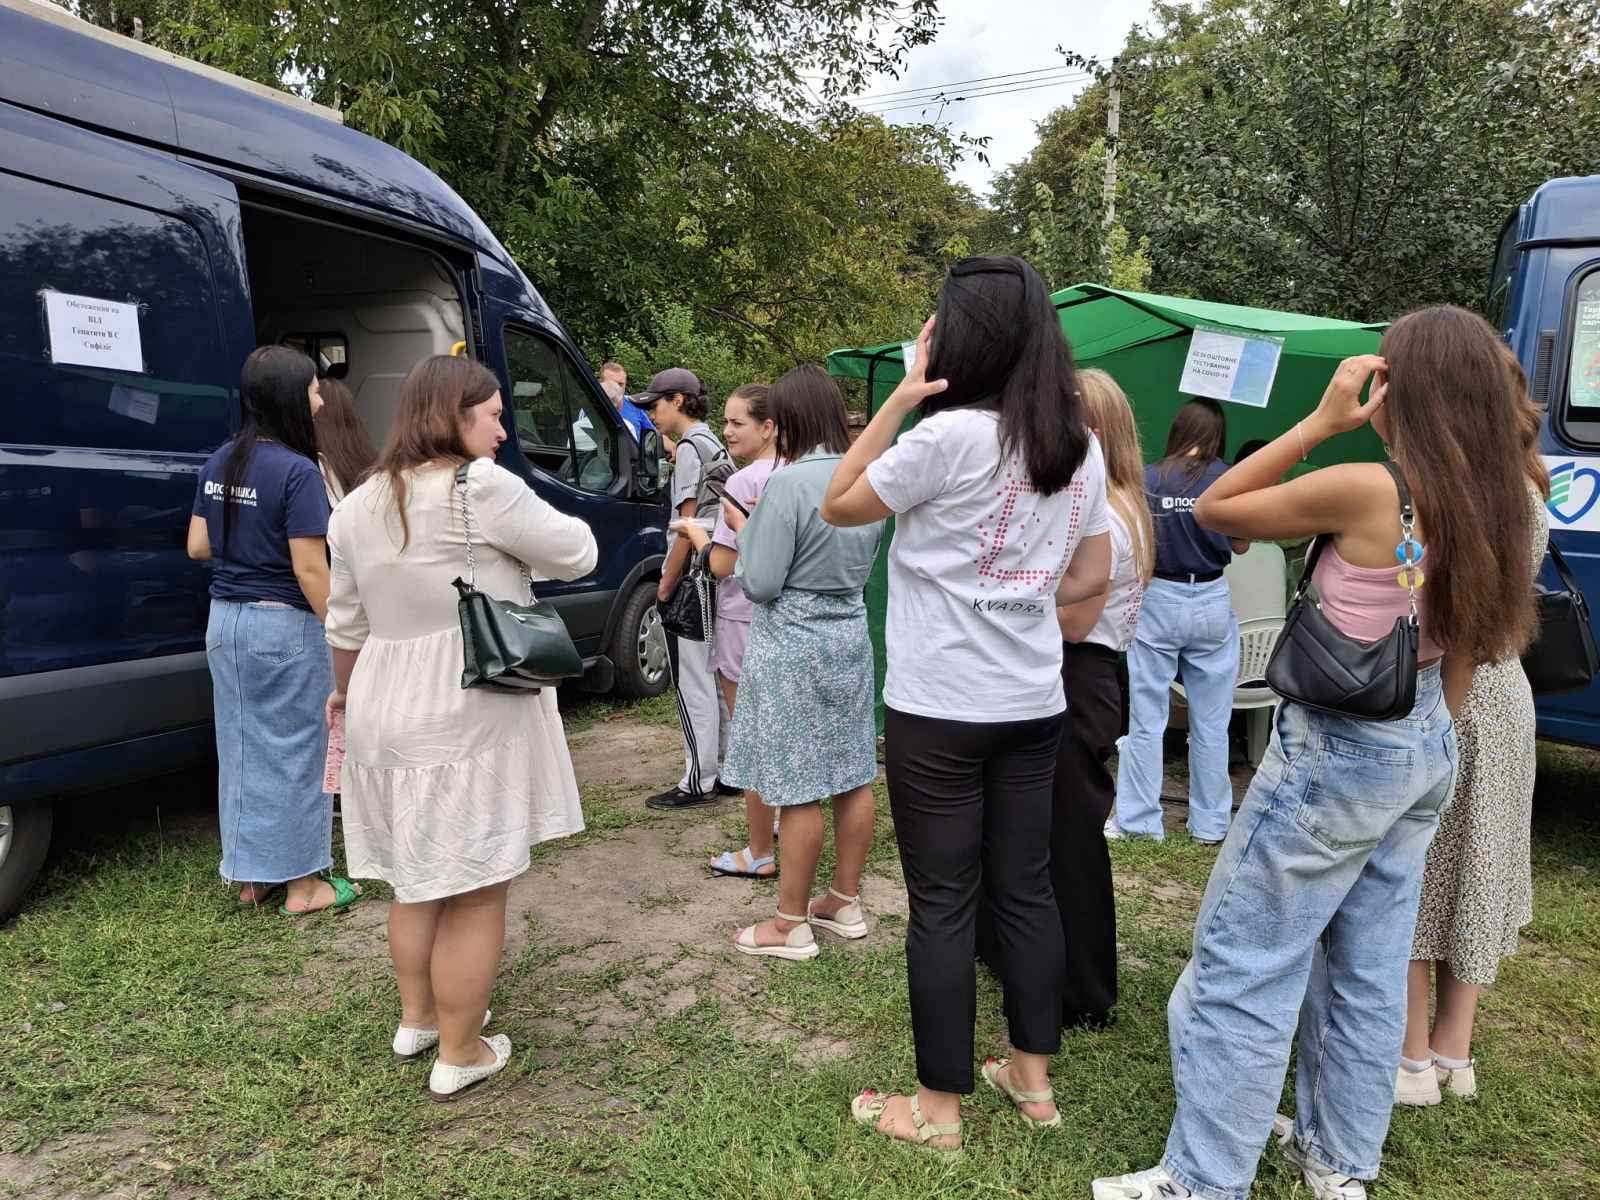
column 158, row 219
column 1544, row 292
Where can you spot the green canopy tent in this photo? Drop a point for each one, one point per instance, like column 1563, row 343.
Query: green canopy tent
column 1143, row 340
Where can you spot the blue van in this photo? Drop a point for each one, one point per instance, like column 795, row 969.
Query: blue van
column 159, row 219
column 1544, row 293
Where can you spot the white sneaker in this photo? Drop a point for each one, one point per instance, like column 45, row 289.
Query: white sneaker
column 447, row 1082
column 1462, row 1082
column 1154, row 1184
column 409, row 1042
column 1420, row 1089
column 1325, row 1183
column 849, row 922
column 1115, row 832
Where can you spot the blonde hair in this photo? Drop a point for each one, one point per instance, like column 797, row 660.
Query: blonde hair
column 1107, row 410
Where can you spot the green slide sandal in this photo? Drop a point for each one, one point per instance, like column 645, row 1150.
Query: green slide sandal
column 345, row 894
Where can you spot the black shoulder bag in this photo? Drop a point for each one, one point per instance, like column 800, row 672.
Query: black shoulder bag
column 1563, row 658
column 1316, row 665
column 509, row 647
column 690, row 609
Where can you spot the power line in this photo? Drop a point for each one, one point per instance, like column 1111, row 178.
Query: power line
column 982, row 79
column 977, row 95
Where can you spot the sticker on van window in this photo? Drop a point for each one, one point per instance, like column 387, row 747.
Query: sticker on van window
column 89, row 332
column 1574, row 492
column 135, row 404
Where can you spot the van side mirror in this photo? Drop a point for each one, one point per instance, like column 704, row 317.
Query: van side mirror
column 647, row 466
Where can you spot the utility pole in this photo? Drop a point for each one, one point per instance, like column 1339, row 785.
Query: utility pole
column 1113, row 125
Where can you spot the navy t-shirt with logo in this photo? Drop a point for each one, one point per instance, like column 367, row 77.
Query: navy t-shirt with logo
column 280, row 497
column 1182, row 547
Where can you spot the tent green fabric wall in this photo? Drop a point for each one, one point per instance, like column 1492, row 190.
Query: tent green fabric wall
column 1142, row 340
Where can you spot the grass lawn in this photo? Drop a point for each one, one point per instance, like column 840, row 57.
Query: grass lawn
column 157, row 1041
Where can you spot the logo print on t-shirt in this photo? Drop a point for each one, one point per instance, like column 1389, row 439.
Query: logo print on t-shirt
column 994, row 543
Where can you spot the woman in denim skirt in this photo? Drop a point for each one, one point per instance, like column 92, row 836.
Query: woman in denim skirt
column 1309, row 911
column 261, row 518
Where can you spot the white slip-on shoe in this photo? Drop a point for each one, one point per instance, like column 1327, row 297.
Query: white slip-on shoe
column 1154, row 1184
column 1324, row 1182
column 1460, row 1082
column 445, row 1082
column 1420, row 1089
column 800, row 945
column 409, row 1042
column 849, row 922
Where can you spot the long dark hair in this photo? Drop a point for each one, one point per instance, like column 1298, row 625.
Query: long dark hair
column 342, row 438
column 1456, row 429
column 275, row 404
column 1196, row 440
column 432, row 398
column 808, row 410
column 998, row 343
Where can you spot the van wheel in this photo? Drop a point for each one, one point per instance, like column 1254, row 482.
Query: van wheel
column 24, row 840
column 639, row 647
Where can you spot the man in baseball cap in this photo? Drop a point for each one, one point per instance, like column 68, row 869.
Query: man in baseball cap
column 676, row 402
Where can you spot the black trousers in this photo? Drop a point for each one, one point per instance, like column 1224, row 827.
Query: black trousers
column 971, row 807
column 1080, row 862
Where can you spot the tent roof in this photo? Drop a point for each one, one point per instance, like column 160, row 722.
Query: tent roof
column 1100, row 320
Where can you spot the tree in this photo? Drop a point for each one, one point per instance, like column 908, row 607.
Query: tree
column 630, row 152
column 1350, row 158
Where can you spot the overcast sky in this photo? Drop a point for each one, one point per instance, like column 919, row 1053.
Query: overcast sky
column 984, row 38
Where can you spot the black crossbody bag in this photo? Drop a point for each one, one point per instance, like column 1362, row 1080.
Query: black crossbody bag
column 1316, row 665
column 1563, row 658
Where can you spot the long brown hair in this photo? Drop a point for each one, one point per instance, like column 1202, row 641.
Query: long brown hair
column 1196, row 440
column 1531, row 419
column 808, row 409
column 342, row 439
column 1107, row 410
column 1452, row 416
column 426, row 430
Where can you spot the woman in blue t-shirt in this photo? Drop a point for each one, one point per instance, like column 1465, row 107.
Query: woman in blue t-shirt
column 261, row 517
column 1186, row 630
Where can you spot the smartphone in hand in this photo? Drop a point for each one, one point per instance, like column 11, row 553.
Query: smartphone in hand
column 721, row 493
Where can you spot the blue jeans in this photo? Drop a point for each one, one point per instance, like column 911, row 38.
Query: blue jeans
column 1308, row 916
column 270, row 677
column 1187, row 630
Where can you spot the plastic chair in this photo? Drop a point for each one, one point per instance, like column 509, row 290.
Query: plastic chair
column 1258, row 591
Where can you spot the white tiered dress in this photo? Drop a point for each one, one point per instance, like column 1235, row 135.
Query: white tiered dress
column 445, row 789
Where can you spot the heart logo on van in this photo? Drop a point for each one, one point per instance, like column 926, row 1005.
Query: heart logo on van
column 1562, row 481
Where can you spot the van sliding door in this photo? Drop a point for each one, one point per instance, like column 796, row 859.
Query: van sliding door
column 119, row 359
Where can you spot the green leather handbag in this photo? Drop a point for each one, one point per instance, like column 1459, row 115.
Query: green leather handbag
column 509, row 647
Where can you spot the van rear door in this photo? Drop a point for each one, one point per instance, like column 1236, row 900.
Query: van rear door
column 123, row 321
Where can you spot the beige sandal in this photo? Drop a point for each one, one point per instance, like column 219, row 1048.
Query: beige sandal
column 991, row 1074
column 800, row 945
column 848, row 922
column 867, row 1109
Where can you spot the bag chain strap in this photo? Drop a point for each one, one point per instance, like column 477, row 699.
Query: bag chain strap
column 466, row 526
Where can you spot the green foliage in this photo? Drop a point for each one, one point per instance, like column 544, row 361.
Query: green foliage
column 1350, row 158
column 670, row 337
column 629, row 154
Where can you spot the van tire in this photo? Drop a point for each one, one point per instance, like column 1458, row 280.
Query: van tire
column 24, row 851
column 638, row 647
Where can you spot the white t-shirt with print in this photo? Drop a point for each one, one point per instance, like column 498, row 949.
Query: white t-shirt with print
column 1116, row 625
column 971, row 633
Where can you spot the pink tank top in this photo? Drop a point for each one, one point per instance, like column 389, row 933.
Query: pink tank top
column 1365, row 602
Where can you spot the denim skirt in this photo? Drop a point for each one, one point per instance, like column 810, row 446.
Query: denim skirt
column 270, row 678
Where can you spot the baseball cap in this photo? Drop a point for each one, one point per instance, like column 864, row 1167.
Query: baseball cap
column 673, row 379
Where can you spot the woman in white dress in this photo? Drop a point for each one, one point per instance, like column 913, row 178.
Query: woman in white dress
column 444, row 789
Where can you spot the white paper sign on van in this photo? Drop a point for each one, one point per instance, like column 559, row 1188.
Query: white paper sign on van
column 89, row 332
column 1574, row 492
